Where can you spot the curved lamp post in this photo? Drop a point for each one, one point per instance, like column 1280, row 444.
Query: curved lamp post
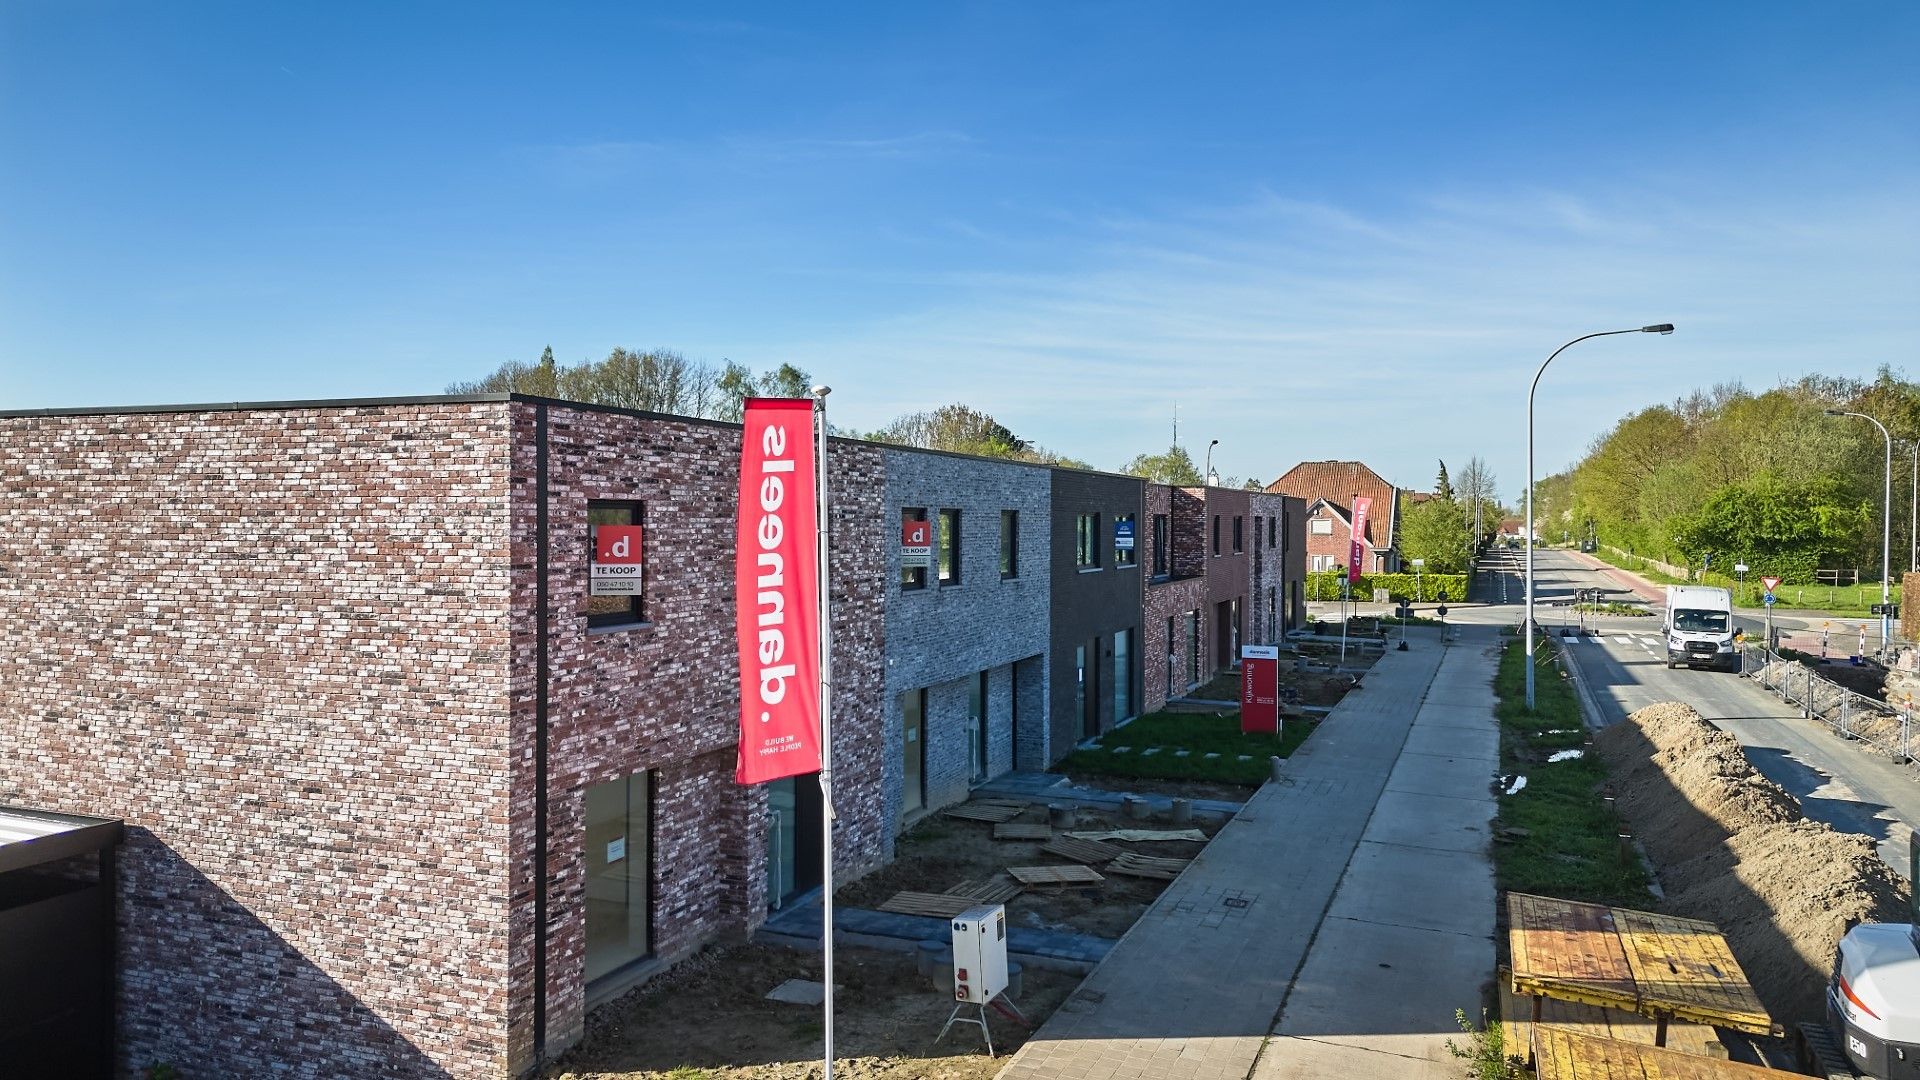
column 1659, row 328
column 1886, row 529
column 1210, row 477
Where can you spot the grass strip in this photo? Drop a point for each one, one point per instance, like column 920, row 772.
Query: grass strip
column 1571, row 846
column 1197, row 733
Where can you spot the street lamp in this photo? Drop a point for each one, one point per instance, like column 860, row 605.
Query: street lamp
column 1886, row 529
column 1211, row 479
column 1659, row 328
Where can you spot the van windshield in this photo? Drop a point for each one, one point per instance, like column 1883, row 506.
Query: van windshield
column 1695, row 621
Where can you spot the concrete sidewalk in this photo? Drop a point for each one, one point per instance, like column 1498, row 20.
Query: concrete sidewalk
column 1388, row 797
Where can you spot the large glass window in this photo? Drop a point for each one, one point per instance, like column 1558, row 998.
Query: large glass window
column 619, row 857
column 1193, row 647
column 912, row 577
column 1697, row 621
column 1086, row 541
column 949, row 542
column 614, row 610
column 1239, row 534
column 1009, row 544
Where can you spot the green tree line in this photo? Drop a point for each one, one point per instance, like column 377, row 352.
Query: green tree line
column 1726, row 476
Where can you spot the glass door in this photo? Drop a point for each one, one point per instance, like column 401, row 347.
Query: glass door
column 783, row 826
column 1122, row 675
column 913, row 746
column 618, row 861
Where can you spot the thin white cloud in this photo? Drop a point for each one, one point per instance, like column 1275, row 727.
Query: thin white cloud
column 1295, row 329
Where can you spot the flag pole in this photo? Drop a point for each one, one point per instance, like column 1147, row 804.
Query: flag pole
column 826, row 734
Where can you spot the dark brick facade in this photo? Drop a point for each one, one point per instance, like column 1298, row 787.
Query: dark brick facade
column 295, row 649
column 1094, row 598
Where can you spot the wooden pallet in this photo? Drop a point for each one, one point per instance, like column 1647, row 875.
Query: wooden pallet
column 937, row 905
column 1022, row 830
column 1146, row 866
column 1056, row 875
column 987, row 810
column 1086, row 851
column 994, row 890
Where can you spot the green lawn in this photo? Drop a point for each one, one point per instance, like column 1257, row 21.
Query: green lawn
column 1198, row 734
column 1840, row 601
column 1572, row 847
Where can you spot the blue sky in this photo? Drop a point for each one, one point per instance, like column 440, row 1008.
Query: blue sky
column 1330, row 230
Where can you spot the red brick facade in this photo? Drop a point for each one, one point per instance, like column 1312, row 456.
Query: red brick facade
column 1173, row 595
column 295, row 649
column 1329, row 489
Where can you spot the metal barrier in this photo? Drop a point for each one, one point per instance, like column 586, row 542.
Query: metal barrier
column 1855, row 716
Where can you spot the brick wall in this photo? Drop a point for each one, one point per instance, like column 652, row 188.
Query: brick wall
column 941, row 636
column 1226, row 574
column 276, row 643
column 1169, row 599
column 1090, row 604
column 663, row 697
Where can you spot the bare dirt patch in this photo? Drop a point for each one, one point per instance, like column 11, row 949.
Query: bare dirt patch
column 941, row 852
column 1732, row 849
column 1178, row 789
column 709, row 1020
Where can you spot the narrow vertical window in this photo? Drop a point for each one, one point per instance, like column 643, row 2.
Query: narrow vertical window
column 949, row 547
column 1216, row 534
column 1160, row 545
column 978, row 704
column 618, row 882
column 1009, row 544
column 1086, row 541
column 1239, row 534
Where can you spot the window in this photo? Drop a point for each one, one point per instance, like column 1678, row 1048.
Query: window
column 1256, row 532
column 1216, row 534
column 1122, row 675
column 1322, row 562
column 618, row 879
column 1173, row 658
column 913, row 749
column 978, row 732
column 614, row 610
column 912, row 577
column 949, row 540
column 1160, row 548
column 1272, row 528
column 1321, row 526
column 1193, row 647
column 1123, row 540
column 1239, row 534
column 1086, row 541
column 1009, row 544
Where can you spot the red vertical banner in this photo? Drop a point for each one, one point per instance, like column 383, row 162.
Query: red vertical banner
column 1361, row 505
column 1260, row 688
column 776, row 583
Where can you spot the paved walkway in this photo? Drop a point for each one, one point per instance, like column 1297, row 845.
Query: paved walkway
column 1363, row 872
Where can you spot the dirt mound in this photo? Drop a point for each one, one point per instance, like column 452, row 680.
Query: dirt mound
column 1733, row 850
column 1784, row 895
column 1685, row 784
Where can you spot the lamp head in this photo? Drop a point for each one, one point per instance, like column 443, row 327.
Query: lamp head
column 819, row 391
column 1658, row 328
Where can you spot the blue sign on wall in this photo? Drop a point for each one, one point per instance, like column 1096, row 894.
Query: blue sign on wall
column 1123, row 536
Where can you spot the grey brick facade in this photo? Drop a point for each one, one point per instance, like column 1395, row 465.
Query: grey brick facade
column 942, row 636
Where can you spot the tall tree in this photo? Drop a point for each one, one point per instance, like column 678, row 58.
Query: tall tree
column 655, row 380
column 1173, row 467
column 956, row 428
column 1481, row 495
column 1436, row 530
column 1441, row 486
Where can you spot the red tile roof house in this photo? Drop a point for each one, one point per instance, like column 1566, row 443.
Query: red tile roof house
column 1329, row 489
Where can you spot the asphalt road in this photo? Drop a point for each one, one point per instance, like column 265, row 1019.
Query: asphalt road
column 1850, row 788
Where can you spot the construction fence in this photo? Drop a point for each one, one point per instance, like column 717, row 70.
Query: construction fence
column 1884, row 728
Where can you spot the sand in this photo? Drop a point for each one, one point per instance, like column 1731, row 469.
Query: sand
column 1730, row 847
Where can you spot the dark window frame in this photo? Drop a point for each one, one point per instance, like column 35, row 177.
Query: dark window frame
column 1086, row 541
column 1009, row 544
column 912, row 578
column 1216, row 536
column 1162, row 539
column 1239, row 534
column 946, row 547
column 634, row 613
column 1128, row 556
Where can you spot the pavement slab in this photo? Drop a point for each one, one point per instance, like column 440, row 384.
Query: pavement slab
column 1194, row 989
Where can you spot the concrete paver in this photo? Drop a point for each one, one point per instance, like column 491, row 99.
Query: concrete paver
column 1194, row 989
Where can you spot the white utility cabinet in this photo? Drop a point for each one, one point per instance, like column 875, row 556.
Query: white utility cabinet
column 980, row 953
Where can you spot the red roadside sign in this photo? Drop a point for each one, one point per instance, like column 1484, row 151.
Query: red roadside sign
column 1771, row 583
column 1260, row 688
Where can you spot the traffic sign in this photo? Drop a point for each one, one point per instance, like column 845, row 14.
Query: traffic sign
column 1767, row 599
column 1739, row 568
column 1771, row 583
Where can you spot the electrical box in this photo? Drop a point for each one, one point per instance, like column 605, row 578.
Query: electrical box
column 980, row 953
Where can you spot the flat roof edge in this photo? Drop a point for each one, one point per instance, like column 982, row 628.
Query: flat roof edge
column 258, row 406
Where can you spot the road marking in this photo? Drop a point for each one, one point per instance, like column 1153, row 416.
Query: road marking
column 1623, row 641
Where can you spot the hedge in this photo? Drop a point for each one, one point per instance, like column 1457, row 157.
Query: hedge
column 1325, row 585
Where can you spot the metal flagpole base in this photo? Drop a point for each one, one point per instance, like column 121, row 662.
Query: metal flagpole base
column 956, row 1018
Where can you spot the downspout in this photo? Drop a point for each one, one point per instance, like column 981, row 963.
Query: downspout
column 540, row 737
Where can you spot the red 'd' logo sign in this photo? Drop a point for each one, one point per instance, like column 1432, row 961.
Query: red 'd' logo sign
column 616, row 544
column 916, row 534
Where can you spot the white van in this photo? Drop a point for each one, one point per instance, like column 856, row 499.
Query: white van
column 1700, row 627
